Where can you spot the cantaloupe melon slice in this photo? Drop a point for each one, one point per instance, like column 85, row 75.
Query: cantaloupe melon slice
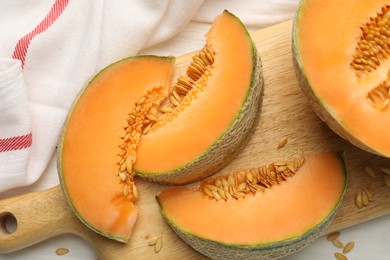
column 88, row 150
column 341, row 55
column 260, row 213
column 213, row 122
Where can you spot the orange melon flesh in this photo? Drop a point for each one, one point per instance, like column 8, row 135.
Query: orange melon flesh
column 88, row 165
column 213, row 109
column 284, row 211
column 326, row 38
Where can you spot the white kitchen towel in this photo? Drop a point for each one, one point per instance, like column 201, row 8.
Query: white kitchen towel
column 57, row 45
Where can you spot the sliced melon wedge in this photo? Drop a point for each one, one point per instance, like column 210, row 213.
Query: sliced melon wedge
column 88, row 150
column 214, row 120
column 265, row 213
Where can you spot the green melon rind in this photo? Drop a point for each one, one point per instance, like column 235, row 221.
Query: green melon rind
column 323, row 111
column 275, row 250
column 230, row 143
column 61, row 145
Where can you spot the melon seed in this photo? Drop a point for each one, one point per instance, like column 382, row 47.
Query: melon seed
column 147, row 128
column 249, row 176
column 207, row 191
column 332, row 236
column 281, row 168
column 218, row 182
column 241, row 187
column 340, row 256
column 152, row 241
column 135, row 191
column 62, row 251
column 122, row 175
column 280, row 163
column 225, row 184
column 129, row 165
column 359, row 199
column 282, row 142
column 174, row 101
column 364, row 198
column 141, row 101
column 369, row 194
column 348, row 247
column 158, row 245
column 185, row 81
column 369, row 171
column 181, row 90
column 126, row 190
column 228, row 195
column 231, row 180
column 216, row 195
column 130, row 120
column 337, row 243
column 166, row 109
column 122, row 168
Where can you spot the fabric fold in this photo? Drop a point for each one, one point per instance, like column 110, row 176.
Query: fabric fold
column 15, row 125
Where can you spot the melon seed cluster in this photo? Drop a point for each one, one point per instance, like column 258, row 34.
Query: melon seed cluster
column 334, row 239
column 237, row 185
column 379, row 97
column 148, row 113
column 188, row 85
column 139, row 122
column 363, row 197
column 373, row 49
column 373, row 46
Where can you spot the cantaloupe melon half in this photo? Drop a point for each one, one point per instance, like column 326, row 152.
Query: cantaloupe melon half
column 208, row 131
column 341, row 55
column 261, row 213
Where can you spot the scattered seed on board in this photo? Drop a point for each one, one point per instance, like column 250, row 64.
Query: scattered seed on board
column 364, row 198
column 370, row 172
column 340, row 256
column 359, row 199
column 348, row 247
column 369, row 194
column 152, row 241
column 332, row 236
column 282, row 142
column 62, row 251
column 337, row 243
column 158, row 245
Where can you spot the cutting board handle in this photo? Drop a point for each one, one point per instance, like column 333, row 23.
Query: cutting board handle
column 39, row 216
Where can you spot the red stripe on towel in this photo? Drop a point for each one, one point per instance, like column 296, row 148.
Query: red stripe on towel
column 15, row 143
column 21, row 47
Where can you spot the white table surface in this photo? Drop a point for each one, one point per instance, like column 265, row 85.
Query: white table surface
column 372, row 239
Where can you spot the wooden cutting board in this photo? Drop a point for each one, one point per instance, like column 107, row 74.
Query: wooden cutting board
column 285, row 113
